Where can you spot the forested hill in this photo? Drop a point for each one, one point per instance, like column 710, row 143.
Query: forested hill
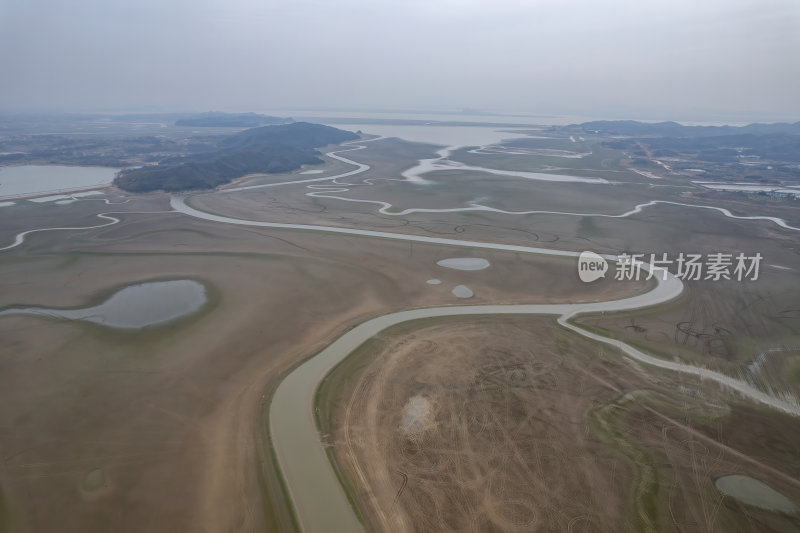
column 268, row 149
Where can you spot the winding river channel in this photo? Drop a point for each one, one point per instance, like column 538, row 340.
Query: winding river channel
column 320, row 502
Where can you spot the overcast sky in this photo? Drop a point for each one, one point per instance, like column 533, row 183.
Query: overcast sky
column 678, row 59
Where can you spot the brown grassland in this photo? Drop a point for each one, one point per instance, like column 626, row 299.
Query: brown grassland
column 513, row 424
column 163, row 429
column 479, row 424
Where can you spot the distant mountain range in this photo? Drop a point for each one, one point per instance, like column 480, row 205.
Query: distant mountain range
column 673, row 129
column 268, row 149
column 233, row 120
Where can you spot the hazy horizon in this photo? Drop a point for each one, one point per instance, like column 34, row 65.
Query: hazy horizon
column 735, row 61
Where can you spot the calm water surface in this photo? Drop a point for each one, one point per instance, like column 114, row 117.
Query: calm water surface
column 136, row 306
column 28, row 179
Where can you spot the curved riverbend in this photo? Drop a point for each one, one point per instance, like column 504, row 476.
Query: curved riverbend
column 385, row 206
column 20, row 237
column 414, row 175
column 320, row 502
column 312, row 483
column 314, row 488
column 360, row 167
column 318, row 497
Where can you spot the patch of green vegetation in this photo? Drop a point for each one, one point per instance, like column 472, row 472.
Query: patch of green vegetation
column 340, row 378
column 586, row 226
column 606, row 421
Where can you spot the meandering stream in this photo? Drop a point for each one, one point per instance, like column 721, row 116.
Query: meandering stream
column 320, row 502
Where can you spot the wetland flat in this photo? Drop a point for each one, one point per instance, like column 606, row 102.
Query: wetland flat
column 443, row 420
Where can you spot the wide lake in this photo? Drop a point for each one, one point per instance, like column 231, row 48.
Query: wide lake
column 31, row 179
column 435, row 134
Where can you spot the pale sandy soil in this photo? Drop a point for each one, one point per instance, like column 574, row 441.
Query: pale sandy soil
column 163, row 429
column 486, row 424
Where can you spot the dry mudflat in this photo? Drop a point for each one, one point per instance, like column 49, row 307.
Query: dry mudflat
column 513, row 424
column 660, row 228
column 163, row 429
column 481, row 424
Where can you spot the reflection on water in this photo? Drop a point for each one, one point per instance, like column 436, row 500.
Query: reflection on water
column 753, row 492
column 441, row 135
column 464, row 263
column 136, row 306
column 462, row 291
column 28, row 179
